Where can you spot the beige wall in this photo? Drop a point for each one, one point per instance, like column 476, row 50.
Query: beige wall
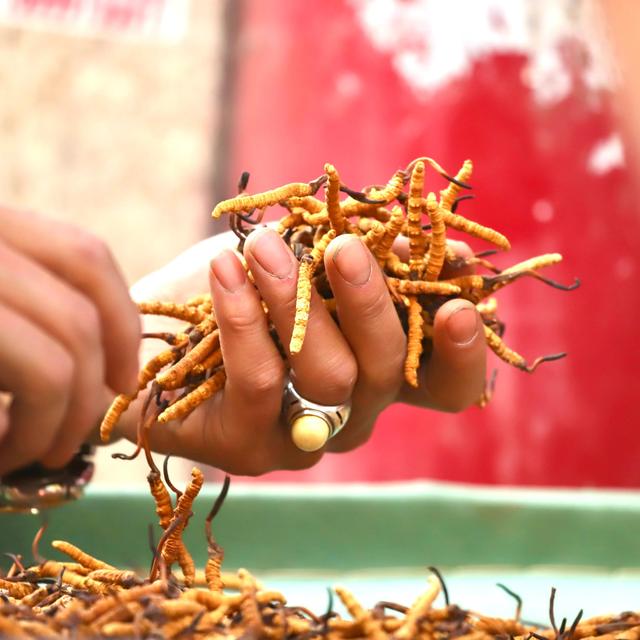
column 117, row 136
column 114, row 135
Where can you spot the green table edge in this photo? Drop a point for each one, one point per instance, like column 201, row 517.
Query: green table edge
column 350, row 527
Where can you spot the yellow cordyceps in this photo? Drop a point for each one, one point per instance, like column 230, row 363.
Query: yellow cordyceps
column 392, row 189
column 438, row 240
column 160, row 493
column 16, row 589
column 332, row 197
column 80, row 556
column 310, row 204
column 185, row 312
column 268, row 198
column 187, row 565
column 371, row 626
column 405, row 231
column 215, row 552
column 448, row 195
column 374, row 233
column 510, row 356
column 303, row 304
column 184, row 406
column 498, row 626
column 474, row 229
column 171, row 549
column 392, row 230
column 174, row 377
column 119, row 405
column 123, row 577
column 290, row 221
column 414, row 342
column 52, row 569
column 122, row 603
column 415, row 287
column 533, row 264
column 122, row 401
column 418, row 610
column 417, row 238
column 395, row 266
column 210, row 362
column 308, row 265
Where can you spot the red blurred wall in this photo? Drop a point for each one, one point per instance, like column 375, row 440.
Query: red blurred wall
column 311, row 87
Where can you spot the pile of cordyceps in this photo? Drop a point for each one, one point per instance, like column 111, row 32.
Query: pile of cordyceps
column 88, row 598
column 386, row 217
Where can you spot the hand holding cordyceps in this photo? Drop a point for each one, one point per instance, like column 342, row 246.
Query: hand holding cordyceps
column 69, row 332
column 241, row 428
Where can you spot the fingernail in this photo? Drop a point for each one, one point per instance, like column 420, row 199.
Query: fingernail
column 228, row 271
column 272, row 254
column 352, row 261
column 462, row 325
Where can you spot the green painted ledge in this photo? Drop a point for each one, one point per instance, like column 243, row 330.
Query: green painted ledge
column 352, row 527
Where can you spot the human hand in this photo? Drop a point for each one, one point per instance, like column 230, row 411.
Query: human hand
column 69, row 331
column 240, row 430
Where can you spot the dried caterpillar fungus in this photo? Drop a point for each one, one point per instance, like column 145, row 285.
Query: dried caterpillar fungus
column 420, row 278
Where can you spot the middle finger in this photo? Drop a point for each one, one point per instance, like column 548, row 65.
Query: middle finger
column 325, row 370
column 368, row 318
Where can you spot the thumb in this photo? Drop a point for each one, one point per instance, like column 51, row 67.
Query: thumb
column 455, row 374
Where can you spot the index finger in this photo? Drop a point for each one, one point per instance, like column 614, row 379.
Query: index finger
column 85, row 263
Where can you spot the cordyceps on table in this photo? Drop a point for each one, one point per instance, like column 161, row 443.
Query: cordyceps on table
column 386, row 217
column 85, row 597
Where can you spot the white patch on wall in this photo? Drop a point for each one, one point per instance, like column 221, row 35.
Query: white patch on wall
column 624, row 268
column 542, row 211
column 606, row 155
column 348, row 85
column 435, row 41
column 157, row 20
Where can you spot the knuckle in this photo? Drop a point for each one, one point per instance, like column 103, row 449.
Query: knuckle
column 267, row 379
column 242, row 321
column 383, row 385
column 341, row 376
column 373, row 308
column 387, row 379
column 87, row 321
column 90, row 249
column 53, row 376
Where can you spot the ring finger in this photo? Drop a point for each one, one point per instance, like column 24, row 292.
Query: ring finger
column 325, row 369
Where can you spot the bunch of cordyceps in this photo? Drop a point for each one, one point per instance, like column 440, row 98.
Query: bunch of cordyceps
column 85, row 597
column 385, row 217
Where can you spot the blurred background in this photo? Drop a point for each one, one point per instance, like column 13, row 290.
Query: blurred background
column 133, row 117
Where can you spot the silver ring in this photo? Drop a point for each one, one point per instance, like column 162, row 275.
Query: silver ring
column 294, row 407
